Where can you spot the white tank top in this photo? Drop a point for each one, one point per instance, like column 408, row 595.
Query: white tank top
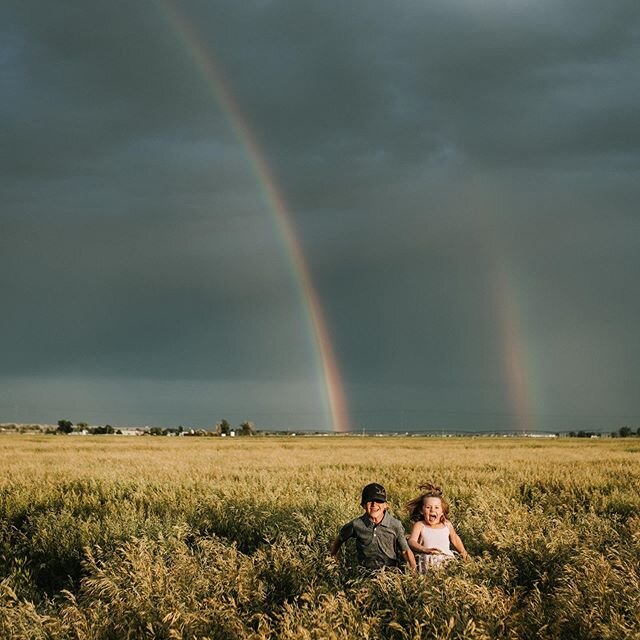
column 436, row 538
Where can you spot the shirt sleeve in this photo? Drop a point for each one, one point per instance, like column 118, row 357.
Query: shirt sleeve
column 401, row 537
column 346, row 532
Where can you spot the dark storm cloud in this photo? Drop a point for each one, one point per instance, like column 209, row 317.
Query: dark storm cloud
column 518, row 82
column 407, row 80
column 422, row 148
column 122, row 294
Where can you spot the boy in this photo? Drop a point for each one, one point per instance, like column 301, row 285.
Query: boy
column 378, row 534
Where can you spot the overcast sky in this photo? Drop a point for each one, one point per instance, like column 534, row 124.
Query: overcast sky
column 462, row 175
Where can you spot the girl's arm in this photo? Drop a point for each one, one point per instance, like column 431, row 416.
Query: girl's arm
column 457, row 542
column 414, row 545
column 413, row 540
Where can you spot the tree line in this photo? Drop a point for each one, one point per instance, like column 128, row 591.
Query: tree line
column 622, row 432
column 222, row 428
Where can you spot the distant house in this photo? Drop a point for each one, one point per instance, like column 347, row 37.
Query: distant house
column 130, row 431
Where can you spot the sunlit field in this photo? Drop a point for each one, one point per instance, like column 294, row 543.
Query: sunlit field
column 114, row 537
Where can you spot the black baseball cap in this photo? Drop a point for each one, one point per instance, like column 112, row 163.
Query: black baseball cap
column 373, row 492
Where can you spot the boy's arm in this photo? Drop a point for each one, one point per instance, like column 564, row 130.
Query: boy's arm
column 410, row 558
column 457, row 542
column 401, row 541
column 335, row 546
column 345, row 533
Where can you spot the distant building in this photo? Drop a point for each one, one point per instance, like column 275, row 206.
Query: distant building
column 130, row 431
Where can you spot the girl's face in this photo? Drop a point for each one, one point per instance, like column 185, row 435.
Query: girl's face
column 432, row 511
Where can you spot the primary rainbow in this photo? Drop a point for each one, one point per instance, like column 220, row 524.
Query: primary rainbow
column 329, row 371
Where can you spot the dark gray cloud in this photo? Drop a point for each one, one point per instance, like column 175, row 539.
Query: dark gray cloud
column 450, row 168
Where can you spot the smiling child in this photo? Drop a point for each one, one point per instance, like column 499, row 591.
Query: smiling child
column 432, row 531
column 380, row 537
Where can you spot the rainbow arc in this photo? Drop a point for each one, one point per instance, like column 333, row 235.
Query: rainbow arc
column 323, row 347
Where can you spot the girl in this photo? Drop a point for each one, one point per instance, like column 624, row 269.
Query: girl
column 432, row 531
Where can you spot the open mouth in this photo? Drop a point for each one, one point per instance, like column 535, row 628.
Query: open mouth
column 432, row 517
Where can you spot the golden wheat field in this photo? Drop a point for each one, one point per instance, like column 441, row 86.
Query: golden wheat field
column 113, row 537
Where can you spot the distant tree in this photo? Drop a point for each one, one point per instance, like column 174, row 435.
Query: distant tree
column 81, row 426
column 624, row 432
column 100, row 431
column 572, row 434
column 247, row 428
column 65, row 426
column 223, row 428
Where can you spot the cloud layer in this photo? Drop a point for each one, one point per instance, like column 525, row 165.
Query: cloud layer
column 454, row 170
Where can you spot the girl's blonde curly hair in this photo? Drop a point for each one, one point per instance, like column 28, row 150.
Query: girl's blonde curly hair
column 429, row 490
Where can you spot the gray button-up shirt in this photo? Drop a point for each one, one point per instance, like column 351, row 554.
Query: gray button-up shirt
column 377, row 545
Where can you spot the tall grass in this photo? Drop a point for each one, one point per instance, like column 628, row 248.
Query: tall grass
column 105, row 537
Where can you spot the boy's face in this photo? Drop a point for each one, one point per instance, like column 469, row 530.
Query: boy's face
column 375, row 510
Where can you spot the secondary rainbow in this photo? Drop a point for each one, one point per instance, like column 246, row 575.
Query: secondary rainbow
column 330, row 373
column 517, row 358
column 515, row 343
column 516, row 363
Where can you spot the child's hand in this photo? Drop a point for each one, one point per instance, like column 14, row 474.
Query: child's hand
column 331, row 566
column 330, row 561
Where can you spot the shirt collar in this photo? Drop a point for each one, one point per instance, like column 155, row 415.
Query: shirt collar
column 369, row 522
